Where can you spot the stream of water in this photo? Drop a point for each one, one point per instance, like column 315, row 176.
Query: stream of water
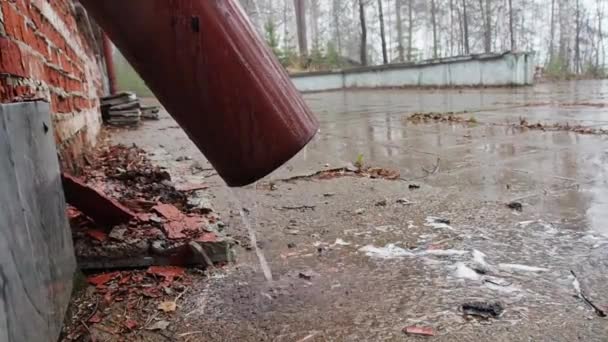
column 249, row 221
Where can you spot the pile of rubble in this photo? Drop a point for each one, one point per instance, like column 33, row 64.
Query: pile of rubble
column 124, row 110
column 127, row 213
column 130, row 304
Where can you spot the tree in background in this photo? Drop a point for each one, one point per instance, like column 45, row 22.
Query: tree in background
column 382, row 34
column 363, row 47
column 567, row 35
column 300, row 10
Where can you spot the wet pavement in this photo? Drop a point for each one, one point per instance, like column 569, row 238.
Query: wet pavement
column 364, row 258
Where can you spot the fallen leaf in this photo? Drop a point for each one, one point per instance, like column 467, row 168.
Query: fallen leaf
column 97, row 234
column 160, row 325
column 125, row 279
column 422, row 331
column 186, row 187
column 131, row 324
column 207, row 237
column 102, row 279
column 168, row 306
column 96, row 318
column 167, row 271
column 168, row 211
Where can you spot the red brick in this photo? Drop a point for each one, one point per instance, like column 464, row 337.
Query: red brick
column 11, row 58
column 94, row 203
column 13, row 21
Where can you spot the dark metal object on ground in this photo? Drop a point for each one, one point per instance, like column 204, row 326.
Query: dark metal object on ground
column 483, row 309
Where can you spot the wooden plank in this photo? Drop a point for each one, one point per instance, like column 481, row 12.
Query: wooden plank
column 36, row 253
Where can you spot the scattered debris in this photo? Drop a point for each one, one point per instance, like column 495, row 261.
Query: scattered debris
column 420, row 331
column 122, row 302
column 360, row 211
column 97, row 234
column 465, row 272
column 580, row 294
column 305, row 275
column 480, row 265
column 524, row 124
column 522, row 268
column 440, row 117
column 300, row 207
column 515, row 206
column 438, row 223
column 404, row 201
column 349, row 171
column 168, row 272
column 150, row 112
column 160, row 325
column 381, row 203
column 390, row 251
column 340, row 242
column 168, row 306
column 102, row 279
column 483, row 310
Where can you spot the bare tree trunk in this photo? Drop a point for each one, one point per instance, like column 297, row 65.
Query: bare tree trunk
column 382, row 34
column 285, row 26
column 564, row 36
column 363, row 46
column 300, row 7
column 552, row 38
column 451, row 27
column 488, row 46
column 577, row 42
column 511, row 32
column 434, row 23
column 410, row 30
column 314, row 27
column 400, row 49
column 467, row 50
column 600, row 34
column 337, row 33
column 487, row 34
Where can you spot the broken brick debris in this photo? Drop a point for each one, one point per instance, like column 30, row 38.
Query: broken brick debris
column 121, row 303
column 165, row 220
column 97, row 234
column 102, row 279
column 167, row 272
column 420, row 331
column 93, row 203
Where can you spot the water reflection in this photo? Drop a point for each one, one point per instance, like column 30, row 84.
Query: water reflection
column 492, row 155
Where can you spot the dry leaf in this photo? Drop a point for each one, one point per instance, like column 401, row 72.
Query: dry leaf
column 160, row 325
column 169, row 306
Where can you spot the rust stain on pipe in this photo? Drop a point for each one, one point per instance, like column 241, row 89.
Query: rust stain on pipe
column 215, row 75
column 109, row 58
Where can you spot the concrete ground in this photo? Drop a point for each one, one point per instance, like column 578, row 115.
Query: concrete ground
column 354, row 269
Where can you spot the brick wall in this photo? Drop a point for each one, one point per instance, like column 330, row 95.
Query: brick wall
column 50, row 49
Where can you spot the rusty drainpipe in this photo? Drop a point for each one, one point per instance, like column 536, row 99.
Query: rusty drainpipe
column 215, row 75
column 109, row 59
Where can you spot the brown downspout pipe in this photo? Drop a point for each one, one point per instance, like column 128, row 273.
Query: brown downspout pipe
column 205, row 62
column 109, row 58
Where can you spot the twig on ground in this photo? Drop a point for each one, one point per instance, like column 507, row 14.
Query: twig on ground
column 580, row 293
